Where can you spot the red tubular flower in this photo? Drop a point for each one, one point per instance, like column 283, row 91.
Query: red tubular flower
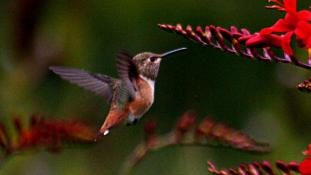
column 305, row 165
column 259, row 40
column 308, row 152
column 303, row 32
column 294, row 22
column 286, row 40
column 292, row 18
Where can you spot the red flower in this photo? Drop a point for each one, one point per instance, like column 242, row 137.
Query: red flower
column 308, row 152
column 303, row 32
column 305, row 165
column 294, row 22
column 259, row 40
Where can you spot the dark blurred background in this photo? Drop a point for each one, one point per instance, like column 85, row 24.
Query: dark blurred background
column 256, row 97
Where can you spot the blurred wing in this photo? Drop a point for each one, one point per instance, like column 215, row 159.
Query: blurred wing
column 127, row 71
column 97, row 83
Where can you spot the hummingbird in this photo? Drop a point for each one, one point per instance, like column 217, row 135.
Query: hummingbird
column 131, row 95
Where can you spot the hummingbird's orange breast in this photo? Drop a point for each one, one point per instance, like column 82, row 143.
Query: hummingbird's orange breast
column 144, row 98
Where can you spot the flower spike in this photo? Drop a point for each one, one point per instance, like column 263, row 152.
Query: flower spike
column 188, row 132
column 257, row 168
column 259, row 44
column 255, row 46
column 49, row 134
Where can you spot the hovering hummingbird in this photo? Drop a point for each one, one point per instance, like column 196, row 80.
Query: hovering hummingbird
column 130, row 96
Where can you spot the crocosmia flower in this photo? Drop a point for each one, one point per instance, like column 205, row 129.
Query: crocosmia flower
column 294, row 22
column 305, row 165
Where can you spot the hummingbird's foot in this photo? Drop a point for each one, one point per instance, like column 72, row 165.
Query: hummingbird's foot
column 97, row 136
column 135, row 121
column 132, row 122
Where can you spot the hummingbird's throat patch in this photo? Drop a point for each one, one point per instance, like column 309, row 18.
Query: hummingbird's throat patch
column 150, row 82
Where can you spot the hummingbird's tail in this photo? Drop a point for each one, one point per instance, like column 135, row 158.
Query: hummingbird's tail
column 104, row 130
column 100, row 133
column 114, row 117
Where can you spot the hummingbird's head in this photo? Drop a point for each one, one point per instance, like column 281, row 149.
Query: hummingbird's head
column 148, row 64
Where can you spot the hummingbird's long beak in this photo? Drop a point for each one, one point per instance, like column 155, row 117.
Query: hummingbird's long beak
column 172, row 52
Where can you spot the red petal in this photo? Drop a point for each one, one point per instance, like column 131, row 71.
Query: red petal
column 264, row 40
column 308, row 151
column 286, row 43
column 256, row 41
column 305, row 167
column 290, row 6
column 303, row 32
column 266, row 31
column 274, row 40
column 308, row 43
column 281, row 26
column 304, row 15
column 292, row 19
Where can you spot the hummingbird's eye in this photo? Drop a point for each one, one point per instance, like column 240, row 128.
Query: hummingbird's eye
column 153, row 59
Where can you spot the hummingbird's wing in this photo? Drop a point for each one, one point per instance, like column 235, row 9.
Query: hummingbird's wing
column 127, row 71
column 100, row 84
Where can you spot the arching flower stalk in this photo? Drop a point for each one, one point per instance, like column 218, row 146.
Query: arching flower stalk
column 266, row 168
column 48, row 134
column 259, row 45
column 189, row 133
column 234, row 41
column 256, row 168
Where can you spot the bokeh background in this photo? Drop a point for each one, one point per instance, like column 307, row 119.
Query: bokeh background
column 256, row 97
